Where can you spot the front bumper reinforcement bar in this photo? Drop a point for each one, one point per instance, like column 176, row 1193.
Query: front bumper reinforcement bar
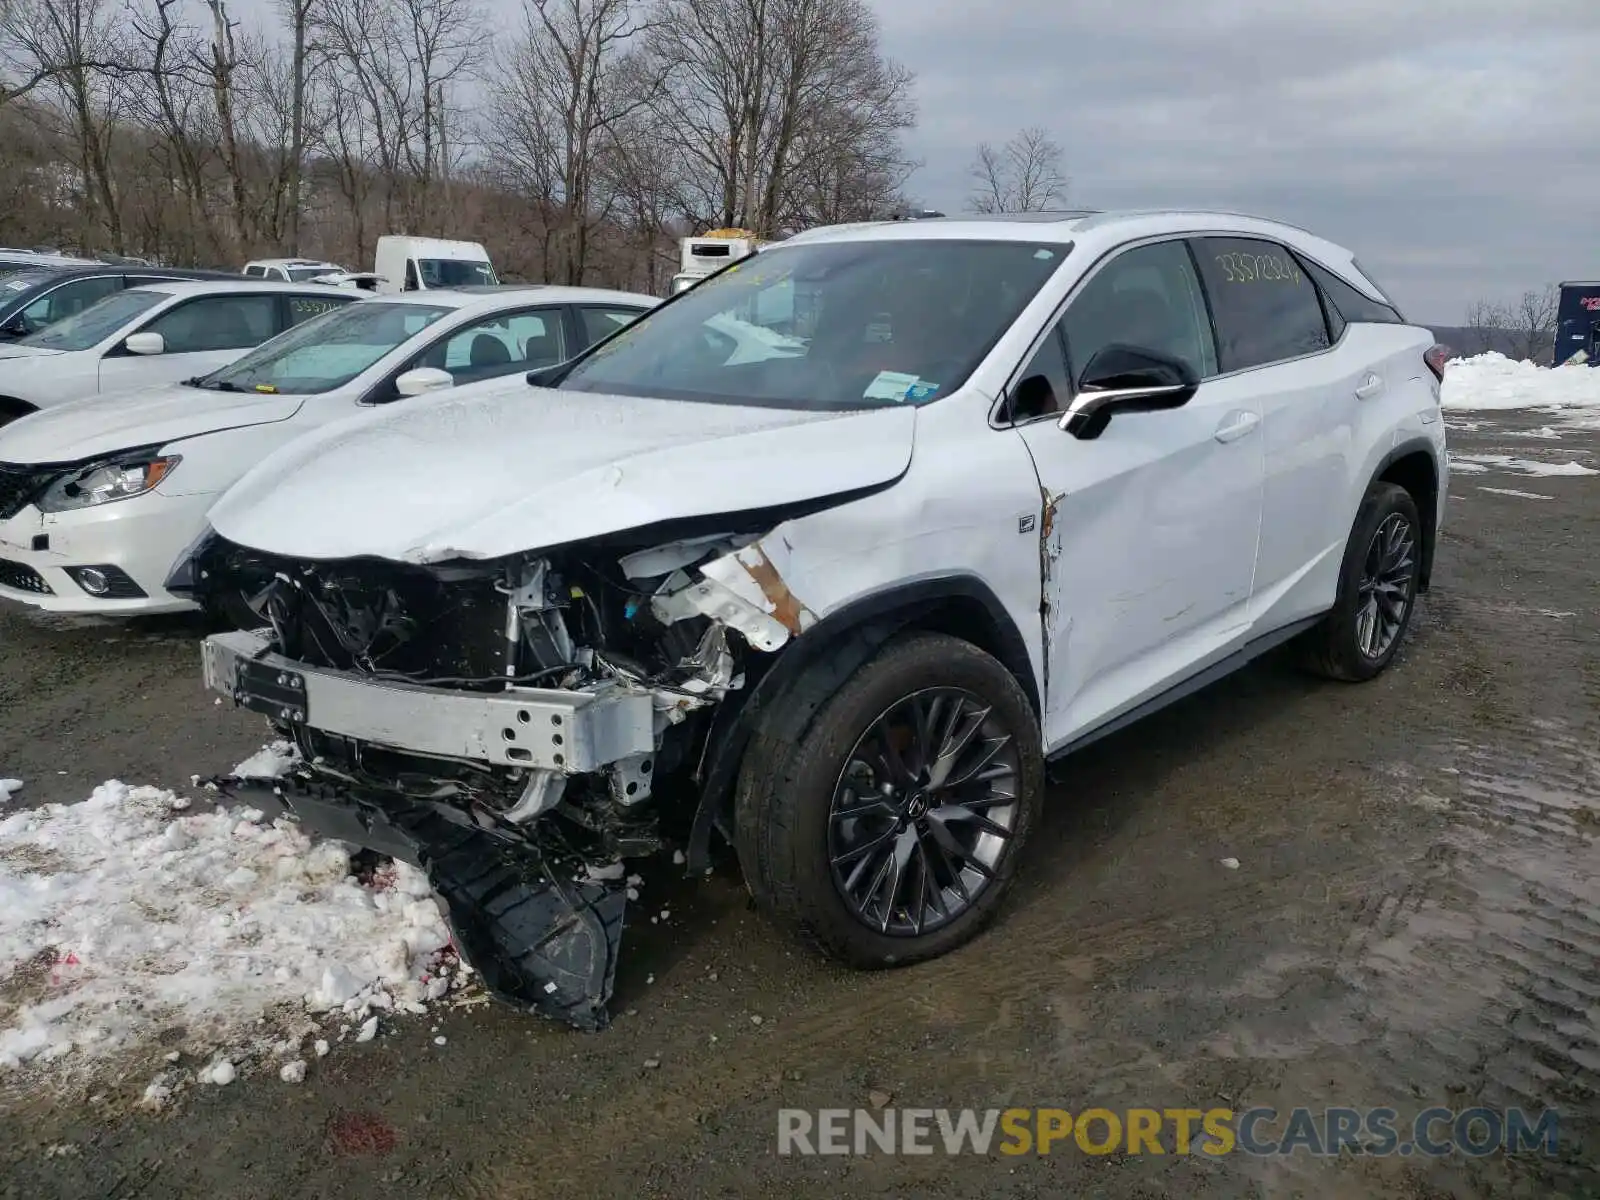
column 572, row 731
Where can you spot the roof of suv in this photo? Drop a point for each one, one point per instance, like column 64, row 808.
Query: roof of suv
column 1097, row 232
column 54, row 274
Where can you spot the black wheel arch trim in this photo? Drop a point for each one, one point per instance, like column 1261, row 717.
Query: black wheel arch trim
column 839, row 645
column 1428, row 511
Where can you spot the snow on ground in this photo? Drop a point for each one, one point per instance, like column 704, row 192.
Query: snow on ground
column 127, row 916
column 1476, row 464
column 1517, row 494
column 1493, row 381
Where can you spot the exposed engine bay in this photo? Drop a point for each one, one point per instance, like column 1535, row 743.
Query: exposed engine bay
column 515, row 727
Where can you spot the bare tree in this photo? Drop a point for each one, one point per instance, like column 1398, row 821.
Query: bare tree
column 401, row 61
column 1486, row 324
column 557, row 97
column 298, row 14
column 1024, row 175
column 1532, row 324
column 759, row 93
column 62, row 46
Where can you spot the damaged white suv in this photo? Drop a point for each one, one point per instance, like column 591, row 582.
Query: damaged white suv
column 828, row 555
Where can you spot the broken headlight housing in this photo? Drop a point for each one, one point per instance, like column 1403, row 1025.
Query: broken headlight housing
column 120, row 478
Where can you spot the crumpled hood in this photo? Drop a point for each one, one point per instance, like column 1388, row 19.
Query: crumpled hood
column 488, row 471
column 153, row 416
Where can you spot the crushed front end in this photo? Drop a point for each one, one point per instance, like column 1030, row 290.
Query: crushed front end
column 515, row 727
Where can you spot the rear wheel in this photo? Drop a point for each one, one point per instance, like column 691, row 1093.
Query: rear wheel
column 883, row 823
column 1377, row 589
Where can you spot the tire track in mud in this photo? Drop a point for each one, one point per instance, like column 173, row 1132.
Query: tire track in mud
column 1480, row 973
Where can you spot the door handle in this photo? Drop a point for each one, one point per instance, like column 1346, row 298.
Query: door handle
column 1370, row 387
column 1235, row 425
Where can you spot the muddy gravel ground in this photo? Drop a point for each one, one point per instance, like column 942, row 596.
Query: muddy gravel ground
column 1414, row 921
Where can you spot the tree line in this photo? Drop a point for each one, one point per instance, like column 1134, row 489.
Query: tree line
column 577, row 144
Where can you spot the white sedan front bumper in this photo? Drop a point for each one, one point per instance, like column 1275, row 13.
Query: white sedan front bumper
column 138, row 539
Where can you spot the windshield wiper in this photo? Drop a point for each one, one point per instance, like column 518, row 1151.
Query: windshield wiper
column 219, row 385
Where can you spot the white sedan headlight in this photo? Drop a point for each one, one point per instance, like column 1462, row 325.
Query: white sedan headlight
column 102, row 482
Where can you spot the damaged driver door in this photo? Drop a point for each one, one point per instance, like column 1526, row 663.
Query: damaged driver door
column 1151, row 521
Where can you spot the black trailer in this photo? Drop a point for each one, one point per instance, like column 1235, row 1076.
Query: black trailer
column 1578, row 324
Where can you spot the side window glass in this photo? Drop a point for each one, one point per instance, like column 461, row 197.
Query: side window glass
column 217, row 323
column 303, row 308
column 499, row 345
column 69, row 299
column 1266, row 307
column 1350, row 304
column 255, row 272
column 599, row 323
column 411, row 275
column 1148, row 298
column 1043, row 388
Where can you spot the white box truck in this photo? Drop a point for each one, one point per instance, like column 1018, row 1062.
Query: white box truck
column 411, row 264
column 710, row 252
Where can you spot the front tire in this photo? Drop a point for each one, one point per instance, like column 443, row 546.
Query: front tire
column 1377, row 589
column 883, row 823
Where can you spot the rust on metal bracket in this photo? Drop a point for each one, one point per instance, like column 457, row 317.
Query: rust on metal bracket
column 786, row 607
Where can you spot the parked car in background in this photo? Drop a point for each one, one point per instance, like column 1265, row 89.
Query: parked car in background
column 997, row 488
column 290, row 270
column 153, row 334
column 34, row 300
column 12, row 261
column 98, row 498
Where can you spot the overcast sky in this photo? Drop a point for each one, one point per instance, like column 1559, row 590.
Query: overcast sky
column 1454, row 145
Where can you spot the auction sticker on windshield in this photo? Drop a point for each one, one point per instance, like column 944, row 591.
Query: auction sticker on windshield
column 890, row 385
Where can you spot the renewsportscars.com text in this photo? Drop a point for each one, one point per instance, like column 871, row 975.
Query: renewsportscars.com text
column 1433, row 1132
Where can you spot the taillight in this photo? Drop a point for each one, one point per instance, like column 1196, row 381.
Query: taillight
column 1436, row 357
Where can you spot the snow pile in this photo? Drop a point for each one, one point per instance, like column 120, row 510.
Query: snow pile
column 9, row 788
column 124, row 916
column 1493, row 381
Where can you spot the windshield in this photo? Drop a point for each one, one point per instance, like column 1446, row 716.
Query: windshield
column 840, row 325
column 454, row 272
column 95, row 323
column 327, row 351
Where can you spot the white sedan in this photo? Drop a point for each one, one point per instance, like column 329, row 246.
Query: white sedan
column 155, row 334
column 98, row 498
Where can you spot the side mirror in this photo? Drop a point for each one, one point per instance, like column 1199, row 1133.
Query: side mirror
column 1127, row 379
column 423, row 379
column 15, row 328
column 145, row 343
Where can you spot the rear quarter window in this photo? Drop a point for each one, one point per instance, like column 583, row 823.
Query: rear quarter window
column 1347, row 301
column 1265, row 307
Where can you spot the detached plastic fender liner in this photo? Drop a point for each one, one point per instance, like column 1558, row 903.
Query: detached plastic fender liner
column 539, row 940
column 839, row 644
